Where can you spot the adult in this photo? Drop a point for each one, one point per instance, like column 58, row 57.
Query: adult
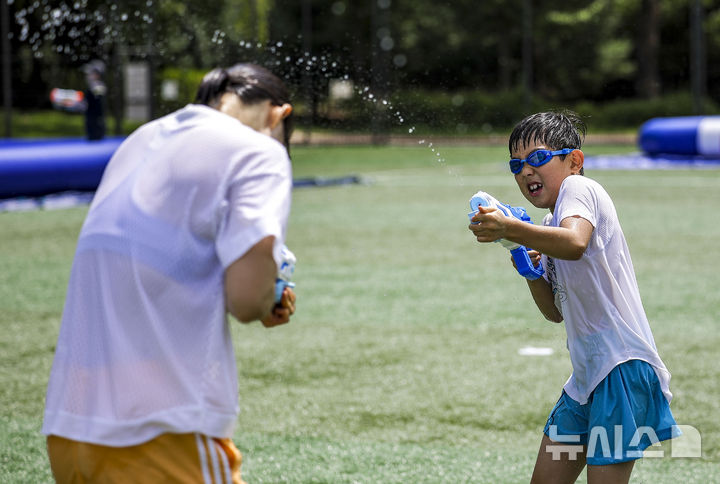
column 186, row 226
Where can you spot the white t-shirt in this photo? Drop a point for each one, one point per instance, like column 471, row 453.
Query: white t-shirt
column 598, row 295
column 144, row 346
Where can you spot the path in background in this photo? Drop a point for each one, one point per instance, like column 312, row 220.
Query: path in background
column 301, row 137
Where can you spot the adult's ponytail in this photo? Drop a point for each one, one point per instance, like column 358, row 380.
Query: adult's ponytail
column 252, row 83
column 213, row 85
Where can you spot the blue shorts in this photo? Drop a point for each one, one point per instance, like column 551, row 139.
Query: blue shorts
column 626, row 413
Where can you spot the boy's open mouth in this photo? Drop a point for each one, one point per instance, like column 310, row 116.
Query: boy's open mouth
column 535, row 188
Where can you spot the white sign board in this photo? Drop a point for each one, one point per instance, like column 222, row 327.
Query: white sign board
column 137, row 91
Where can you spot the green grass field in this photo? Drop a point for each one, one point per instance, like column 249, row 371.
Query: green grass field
column 53, row 123
column 401, row 364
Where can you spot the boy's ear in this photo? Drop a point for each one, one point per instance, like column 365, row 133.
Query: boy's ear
column 577, row 159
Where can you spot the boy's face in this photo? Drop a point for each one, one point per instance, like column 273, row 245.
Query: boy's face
column 541, row 185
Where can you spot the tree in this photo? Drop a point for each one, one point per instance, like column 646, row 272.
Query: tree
column 596, row 49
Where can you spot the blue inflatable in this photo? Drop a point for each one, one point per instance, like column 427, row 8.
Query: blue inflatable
column 32, row 168
column 687, row 135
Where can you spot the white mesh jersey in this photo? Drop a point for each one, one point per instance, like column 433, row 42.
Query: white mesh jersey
column 144, row 346
column 598, row 295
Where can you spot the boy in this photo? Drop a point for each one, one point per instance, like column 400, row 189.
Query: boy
column 616, row 402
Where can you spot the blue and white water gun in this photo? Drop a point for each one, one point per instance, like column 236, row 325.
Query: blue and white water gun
column 285, row 272
column 519, row 252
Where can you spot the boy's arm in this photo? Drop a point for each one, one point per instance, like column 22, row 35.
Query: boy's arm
column 542, row 292
column 568, row 241
column 544, row 298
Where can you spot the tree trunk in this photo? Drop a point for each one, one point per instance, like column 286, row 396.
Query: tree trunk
column 527, row 54
column 6, row 66
column 648, row 47
column 698, row 63
column 504, row 63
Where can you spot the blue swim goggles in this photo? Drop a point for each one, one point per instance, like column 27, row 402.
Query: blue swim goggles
column 536, row 158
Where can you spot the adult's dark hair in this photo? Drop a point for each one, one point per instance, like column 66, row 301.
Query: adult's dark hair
column 251, row 82
column 556, row 129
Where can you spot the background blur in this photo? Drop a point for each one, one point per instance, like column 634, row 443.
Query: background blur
column 458, row 68
column 405, row 359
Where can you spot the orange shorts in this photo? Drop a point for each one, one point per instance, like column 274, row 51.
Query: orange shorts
column 176, row 458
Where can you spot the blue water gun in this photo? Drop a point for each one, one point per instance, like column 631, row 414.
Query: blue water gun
column 519, row 252
column 285, row 272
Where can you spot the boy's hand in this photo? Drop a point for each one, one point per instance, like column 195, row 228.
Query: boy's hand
column 534, row 258
column 489, row 224
column 282, row 311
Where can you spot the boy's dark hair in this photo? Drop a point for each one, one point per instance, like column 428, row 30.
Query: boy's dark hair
column 251, row 82
column 556, row 129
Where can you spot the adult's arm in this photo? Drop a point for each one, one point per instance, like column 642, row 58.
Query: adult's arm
column 250, row 283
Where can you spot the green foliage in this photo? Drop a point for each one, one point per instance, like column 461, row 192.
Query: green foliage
column 614, row 60
column 461, row 111
column 433, row 112
column 476, row 112
column 631, row 113
column 53, row 124
column 187, row 81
